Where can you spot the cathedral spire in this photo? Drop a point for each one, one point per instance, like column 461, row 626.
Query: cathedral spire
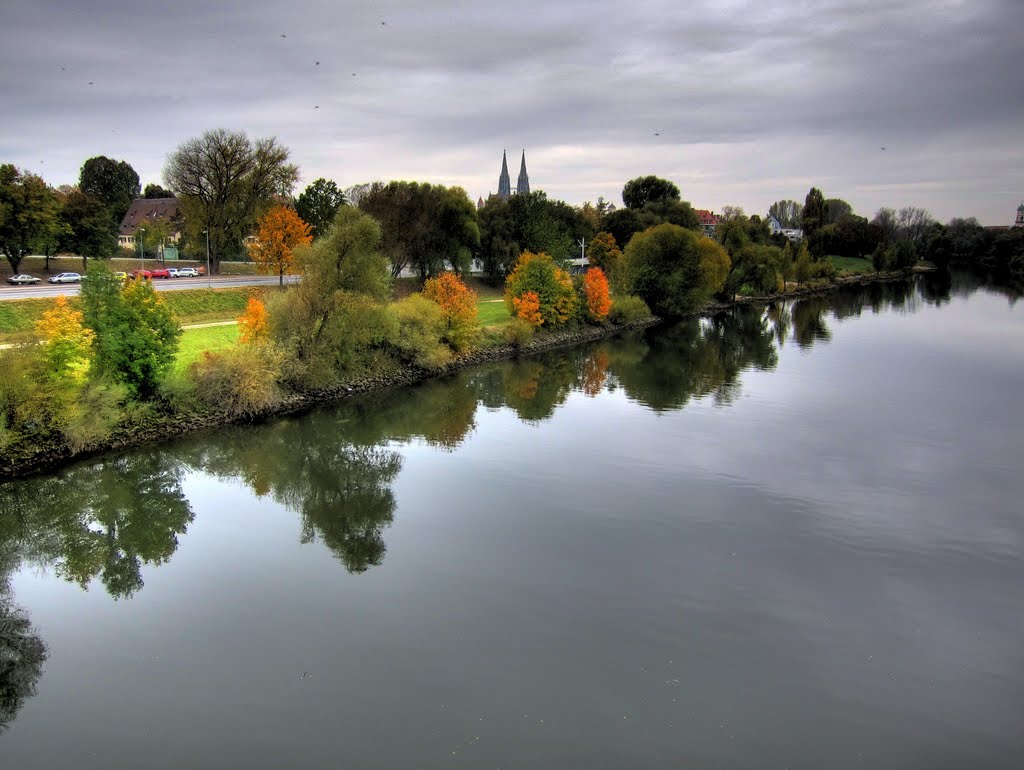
column 523, row 185
column 504, row 183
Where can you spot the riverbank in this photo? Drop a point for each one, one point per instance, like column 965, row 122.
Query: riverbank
column 52, row 452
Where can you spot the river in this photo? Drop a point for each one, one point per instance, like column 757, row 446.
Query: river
column 783, row 537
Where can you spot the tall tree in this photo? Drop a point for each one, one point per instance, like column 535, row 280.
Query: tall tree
column 912, row 224
column 318, row 204
column 424, row 226
column 815, row 211
column 112, row 182
column 638, row 192
column 603, row 252
column 88, row 229
column 224, row 181
column 787, row 212
column 836, row 210
column 281, row 231
column 28, row 212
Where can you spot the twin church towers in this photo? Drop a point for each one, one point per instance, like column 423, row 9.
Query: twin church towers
column 505, row 184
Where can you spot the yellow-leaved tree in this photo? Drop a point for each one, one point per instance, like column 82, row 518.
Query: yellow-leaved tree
column 458, row 307
column 280, row 231
column 66, row 338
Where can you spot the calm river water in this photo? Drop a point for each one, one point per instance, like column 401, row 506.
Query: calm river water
column 787, row 537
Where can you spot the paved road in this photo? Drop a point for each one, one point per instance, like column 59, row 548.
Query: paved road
column 160, row 284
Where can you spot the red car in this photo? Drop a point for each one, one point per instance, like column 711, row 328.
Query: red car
column 144, row 274
column 160, row 272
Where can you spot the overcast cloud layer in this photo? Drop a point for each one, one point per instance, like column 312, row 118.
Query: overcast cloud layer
column 883, row 104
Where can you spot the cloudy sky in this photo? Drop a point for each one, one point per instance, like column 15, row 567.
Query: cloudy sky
column 881, row 103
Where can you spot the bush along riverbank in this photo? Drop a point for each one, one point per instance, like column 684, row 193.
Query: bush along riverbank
column 104, row 377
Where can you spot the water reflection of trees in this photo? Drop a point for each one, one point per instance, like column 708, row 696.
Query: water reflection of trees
column 105, row 519
column 22, row 651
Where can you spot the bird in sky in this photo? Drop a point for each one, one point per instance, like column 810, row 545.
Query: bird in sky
column 283, row 35
column 883, row 148
column 317, row 62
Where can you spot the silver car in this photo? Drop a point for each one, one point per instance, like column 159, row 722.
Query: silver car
column 20, row 280
column 187, row 272
column 65, row 278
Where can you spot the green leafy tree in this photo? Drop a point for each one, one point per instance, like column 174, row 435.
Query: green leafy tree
column 136, row 335
column 787, row 212
column 225, row 181
column 538, row 275
column 318, row 204
column 336, row 313
column 87, row 229
column 623, row 224
column 673, row 269
column 112, row 182
column 424, row 226
column 603, row 252
column 837, row 210
column 28, row 213
column 643, row 190
column 156, row 191
column 814, row 213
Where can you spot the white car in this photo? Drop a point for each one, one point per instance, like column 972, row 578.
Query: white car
column 184, row 272
column 19, row 280
column 65, row 278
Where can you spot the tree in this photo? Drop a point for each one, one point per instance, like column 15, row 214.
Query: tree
column 318, row 204
column 136, row 335
column 623, row 224
column 595, row 289
column 836, row 210
column 539, row 274
column 28, row 213
column 430, row 228
column 153, row 235
column 527, row 307
column 603, row 252
column 912, row 224
column 281, row 230
column 67, row 341
column 88, row 229
column 638, row 192
column 112, row 182
column 224, row 181
column 673, row 269
column 787, row 212
column 156, row 191
column 254, row 324
column 885, row 221
column 458, row 308
column 815, row 212
column 335, row 313
column 22, row 654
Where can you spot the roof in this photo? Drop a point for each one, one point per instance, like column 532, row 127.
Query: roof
column 707, row 217
column 145, row 210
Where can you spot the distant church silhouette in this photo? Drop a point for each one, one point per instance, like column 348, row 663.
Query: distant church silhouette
column 505, row 182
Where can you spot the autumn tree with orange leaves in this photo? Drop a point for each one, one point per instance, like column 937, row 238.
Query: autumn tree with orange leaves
column 280, row 231
column 527, row 307
column 458, row 307
column 538, row 273
column 254, row 324
column 595, row 289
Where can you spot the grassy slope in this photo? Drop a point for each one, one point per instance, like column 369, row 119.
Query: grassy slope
column 195, row 342
column 852, row 264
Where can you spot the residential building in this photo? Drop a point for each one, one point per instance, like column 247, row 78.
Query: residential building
column 145, row 210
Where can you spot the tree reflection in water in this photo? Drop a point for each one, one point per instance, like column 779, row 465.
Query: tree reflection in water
column 22, row 651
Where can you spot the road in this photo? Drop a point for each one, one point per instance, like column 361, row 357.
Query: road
column 160, row 284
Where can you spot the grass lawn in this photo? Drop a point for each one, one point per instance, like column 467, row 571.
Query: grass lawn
column 194, row 342
column 852, row 264
column 492, row 314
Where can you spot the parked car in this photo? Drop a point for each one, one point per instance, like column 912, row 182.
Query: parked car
column 121, row 275
column 65, row 278
column 144, row 274
column 160, row 272
column 187, row 272
column 19, row 280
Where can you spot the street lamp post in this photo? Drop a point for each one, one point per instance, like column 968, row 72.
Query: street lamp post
column 142, row 246
column 209, row 279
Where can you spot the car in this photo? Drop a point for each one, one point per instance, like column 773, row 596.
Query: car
column 121, row 275
column 160, row 272
column 22, row 279
column 187, row 272
column 65, row 278
column 144, row 274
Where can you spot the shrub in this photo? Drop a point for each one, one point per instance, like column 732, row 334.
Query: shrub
column 66, row 340
column 538, row 273
column 240, row 380
column 458, row 308
column 628, row 309
column 527, row 308
column 420, row 328
column 519, row 332
column 254, row 324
